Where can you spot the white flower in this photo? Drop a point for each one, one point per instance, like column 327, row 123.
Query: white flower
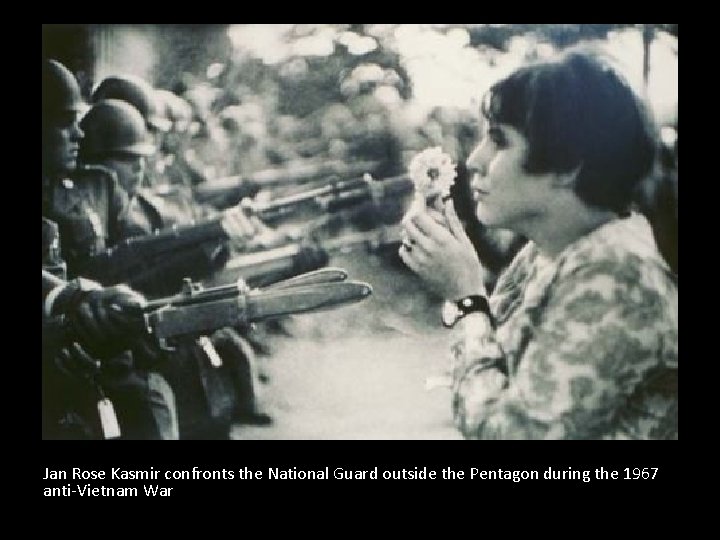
column 433, row 173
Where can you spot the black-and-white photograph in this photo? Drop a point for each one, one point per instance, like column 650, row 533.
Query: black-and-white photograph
column 359, row 231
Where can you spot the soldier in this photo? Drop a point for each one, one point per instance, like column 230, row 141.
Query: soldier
column 176, row 200
column 177, row 169
column 138, row 93
column 116, row 137
column 84, row 203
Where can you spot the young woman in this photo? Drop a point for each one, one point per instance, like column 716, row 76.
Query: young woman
column 579, row 338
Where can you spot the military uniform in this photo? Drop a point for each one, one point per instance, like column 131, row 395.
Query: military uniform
column 172, row 204
column 157, row 264
column 51, row 259
column 211, row 396
column 68, row 398
column 142, row 217
column 87, row 208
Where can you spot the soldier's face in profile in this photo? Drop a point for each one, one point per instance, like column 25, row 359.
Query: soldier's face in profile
column 60, row 142
column 130, row 170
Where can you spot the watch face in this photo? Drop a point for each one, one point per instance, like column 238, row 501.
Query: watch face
column 450, row 313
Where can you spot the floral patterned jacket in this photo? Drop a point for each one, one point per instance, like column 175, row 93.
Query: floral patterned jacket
column 586, row 345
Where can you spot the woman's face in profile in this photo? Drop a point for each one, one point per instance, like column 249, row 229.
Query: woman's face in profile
column 506, row 196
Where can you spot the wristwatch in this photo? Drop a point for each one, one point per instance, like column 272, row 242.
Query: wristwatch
column 452, row 312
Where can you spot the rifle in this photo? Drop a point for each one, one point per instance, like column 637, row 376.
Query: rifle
column 263, row 267
column 332, row 197
column 229, row 190
column 196, row 310
column 146, row 262
column 152, row 263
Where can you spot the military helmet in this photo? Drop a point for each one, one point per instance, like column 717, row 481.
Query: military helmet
column 114, row 126
column 60, row 90
column 138, row 93
column 177, row 110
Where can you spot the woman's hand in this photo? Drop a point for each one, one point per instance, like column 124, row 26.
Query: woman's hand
column 436, row 248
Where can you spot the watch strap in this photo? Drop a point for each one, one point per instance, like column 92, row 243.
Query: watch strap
column 472, row 304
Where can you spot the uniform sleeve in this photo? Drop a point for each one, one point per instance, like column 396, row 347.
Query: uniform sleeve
column 118, row 211
column 589, row 346
column 51, row 287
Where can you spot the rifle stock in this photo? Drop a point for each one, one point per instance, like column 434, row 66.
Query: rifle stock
column 168, row 255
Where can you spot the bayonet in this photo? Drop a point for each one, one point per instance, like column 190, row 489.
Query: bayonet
column 197, row 311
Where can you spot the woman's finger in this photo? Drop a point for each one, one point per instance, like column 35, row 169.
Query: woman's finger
column 416, row 238
column 452, row 219
column 439, row 217
column 408, row 259
column 440, row 234
column 419, row 257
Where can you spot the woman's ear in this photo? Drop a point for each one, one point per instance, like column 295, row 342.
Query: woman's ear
column 566, row 180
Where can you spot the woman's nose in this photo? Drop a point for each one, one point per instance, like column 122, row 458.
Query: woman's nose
column 480, row 169
column 477, row 163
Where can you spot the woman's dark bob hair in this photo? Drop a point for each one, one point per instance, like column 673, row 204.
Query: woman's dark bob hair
column 577, row 112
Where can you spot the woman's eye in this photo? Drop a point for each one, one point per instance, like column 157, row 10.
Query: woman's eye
column 497, row 137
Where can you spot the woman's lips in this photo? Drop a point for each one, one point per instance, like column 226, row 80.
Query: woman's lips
column 476, row 181
column 479, row 194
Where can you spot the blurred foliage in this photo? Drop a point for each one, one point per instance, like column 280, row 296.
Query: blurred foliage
column 271, row 95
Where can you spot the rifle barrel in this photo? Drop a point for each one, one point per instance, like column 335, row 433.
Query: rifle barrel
column 334, row 196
